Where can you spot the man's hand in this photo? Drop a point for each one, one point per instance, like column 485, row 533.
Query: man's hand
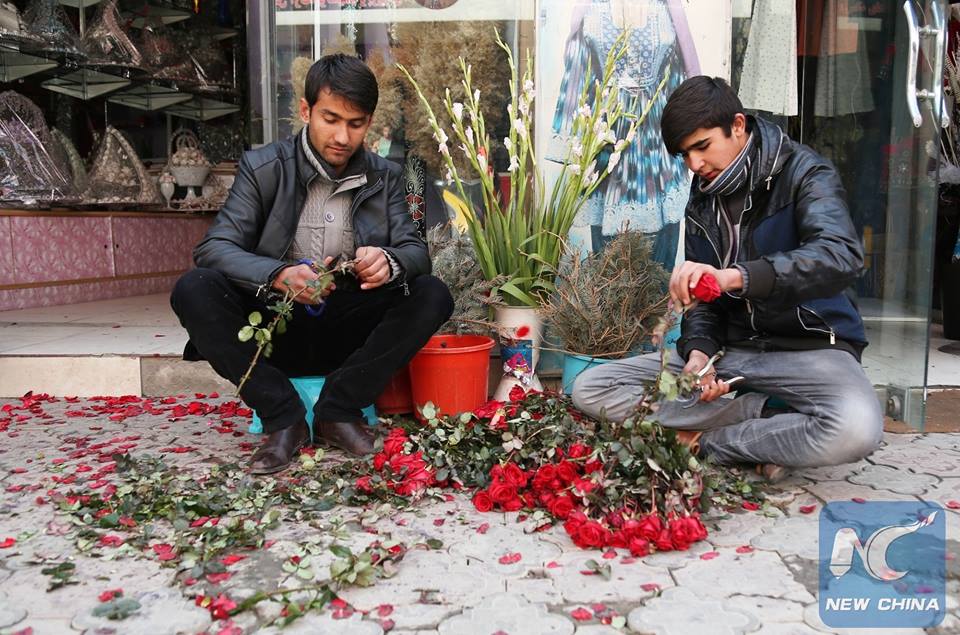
column 371, row 268
column 686, row 276
column 710, row 387
column 298, row 278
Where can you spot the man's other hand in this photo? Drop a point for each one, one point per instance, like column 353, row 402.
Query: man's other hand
column 710, row 387
column 298, row 279
column 686, row 276
column 372, row 268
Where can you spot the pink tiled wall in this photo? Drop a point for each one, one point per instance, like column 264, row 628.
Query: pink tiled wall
column 38, row 249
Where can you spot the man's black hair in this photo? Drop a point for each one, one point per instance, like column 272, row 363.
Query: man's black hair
column 344, row 76
column 699, row 102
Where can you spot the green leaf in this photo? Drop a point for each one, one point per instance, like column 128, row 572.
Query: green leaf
column 340, row 551
column 429, row 411
column 434, row 543
column 255, row 318
column 117, row 609
column 281, row 326
column 245, row 333
column 618, row 621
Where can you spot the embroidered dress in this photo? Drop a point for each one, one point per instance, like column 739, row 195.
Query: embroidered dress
column 648, row 189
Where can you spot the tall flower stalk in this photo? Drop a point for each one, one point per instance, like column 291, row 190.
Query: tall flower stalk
column 519, row 241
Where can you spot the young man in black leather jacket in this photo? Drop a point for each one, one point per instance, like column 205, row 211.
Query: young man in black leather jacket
column 316, row 196
column 768, row 220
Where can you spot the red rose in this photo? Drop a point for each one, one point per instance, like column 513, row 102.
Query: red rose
column 482, row 501
column 496, row 474
column 686, row 531
column 501, row 493
column 560, row 507
column 663, row 541
column 590, row 534
column 619, row 540
column 584, row 486
column 567, row 472
column 578, row 450
column 513, row 475
column 379, row 460
column 707, row 289
column 512, row 505
column 638, row 547
column 517, row 393
column 544, row 476
column 394, row 442
column 650, row 527
column 592, row 466
column 488, row 409
column 363, row 484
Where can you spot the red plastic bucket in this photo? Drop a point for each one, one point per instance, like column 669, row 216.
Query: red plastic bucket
column 397, row 397
column 452, row 372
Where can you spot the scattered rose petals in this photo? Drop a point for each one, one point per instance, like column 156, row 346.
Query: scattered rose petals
column 232, row 559
column 744, row 549
column 952, row 504
column 217, row 578
column 750, row 506
column 581, row 614
column 650, row 586
column 384, row 610
column 482, row 529
column 110, row 594
column 609, row 554
column 111, row 540
column 710, row 555
column 807, row 509
column 7, row 543
column 857, row 499
column 510, row 558
column 553, row 564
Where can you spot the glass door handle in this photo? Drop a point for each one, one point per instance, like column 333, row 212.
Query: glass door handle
column 940, row 32
column 913, row 54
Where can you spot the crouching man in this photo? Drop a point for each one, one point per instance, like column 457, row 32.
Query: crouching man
column 767, row 219
column 317, row 196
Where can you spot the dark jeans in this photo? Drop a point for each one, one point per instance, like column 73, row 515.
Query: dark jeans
column 360, row 341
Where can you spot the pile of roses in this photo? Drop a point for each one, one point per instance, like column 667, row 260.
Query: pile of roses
column 406, row 474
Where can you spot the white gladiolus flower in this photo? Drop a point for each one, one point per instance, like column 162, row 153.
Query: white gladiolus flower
column 440, row 136
column 576, row 149
column 443, row 149
column 449, row 175
column 521, row 130
column 508, row 144
column 510, row 110
column 482, row 160
column 613, row 161
column 631, row 134
column 610, row 137
column 524, row 107
column 574, row 168
column 469, row 133
column 476, row 95
column 600, row 128
column 620, row 145
column 514, row 163
column 528, row 86
column 458, row 111
column 584, row 111
column 591, row 173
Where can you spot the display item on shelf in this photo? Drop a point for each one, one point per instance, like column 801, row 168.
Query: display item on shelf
column 46, row 21
column 117, row 176
column 105, row 42
column 30, row 175
column 187, row 163
column 12, row 31
column 70, row 157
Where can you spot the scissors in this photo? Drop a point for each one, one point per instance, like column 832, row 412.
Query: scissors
column 688, row 401
column 317, row 311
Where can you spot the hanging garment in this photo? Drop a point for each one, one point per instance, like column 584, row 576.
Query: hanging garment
column 843, row 68
column 768, row 81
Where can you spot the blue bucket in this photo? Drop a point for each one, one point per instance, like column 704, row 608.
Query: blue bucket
column 309, row 390
column 573, row 365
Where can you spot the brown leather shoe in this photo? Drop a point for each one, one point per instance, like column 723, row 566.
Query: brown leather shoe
column 355, row 438
column 691, row 439
column 279, row 449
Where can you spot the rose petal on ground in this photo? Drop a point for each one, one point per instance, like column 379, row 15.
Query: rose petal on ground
column 750, row 506
column 510, row 558
column 710, row 555
column 581, row 614
column 745, row 549
column 807, row 509
column 650, row 586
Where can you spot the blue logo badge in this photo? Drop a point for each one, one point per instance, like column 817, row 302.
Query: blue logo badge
column 882, row 564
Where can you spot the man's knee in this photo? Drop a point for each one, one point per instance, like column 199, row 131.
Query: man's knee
column 434, row 296
column 193, row 289
column 856, row 429
column 588, row 391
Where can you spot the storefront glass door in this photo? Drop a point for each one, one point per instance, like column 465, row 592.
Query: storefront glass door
column 867, row 97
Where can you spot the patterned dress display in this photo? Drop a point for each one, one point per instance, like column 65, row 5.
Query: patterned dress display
column 649, row 187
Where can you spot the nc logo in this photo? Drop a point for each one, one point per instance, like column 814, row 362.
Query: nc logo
column 873, row 553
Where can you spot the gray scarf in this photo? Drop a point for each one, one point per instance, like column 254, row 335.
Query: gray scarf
column 737, row 174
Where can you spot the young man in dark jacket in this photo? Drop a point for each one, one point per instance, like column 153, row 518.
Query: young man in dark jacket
column 767, row 219
column 317, row 196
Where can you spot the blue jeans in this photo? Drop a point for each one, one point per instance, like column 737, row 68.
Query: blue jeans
column 836, row 418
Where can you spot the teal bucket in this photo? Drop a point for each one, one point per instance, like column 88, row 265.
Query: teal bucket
column 309, row 390
column 573, row 365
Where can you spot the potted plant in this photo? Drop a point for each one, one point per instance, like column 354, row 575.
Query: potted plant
column 519, row 239
column 607, row 304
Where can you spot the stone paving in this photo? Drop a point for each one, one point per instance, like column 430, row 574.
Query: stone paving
column 756, row 573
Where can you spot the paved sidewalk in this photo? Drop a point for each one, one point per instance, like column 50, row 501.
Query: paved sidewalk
column 756, row 572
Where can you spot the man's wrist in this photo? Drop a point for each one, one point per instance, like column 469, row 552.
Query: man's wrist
column 732, row 279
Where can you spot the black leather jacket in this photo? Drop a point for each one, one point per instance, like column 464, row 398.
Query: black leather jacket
column 256, row 225
column 800, row 251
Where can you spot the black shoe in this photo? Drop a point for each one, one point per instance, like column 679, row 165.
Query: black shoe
column 280, row 448
column 354, row 438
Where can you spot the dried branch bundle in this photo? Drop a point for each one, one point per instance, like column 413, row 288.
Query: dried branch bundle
column 607, row 304
column 455, row 262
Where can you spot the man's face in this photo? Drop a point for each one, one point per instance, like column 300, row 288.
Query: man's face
column 336, row 127
column 708, row 151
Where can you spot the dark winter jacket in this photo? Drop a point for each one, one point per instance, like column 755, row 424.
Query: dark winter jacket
column 256, row 225
column 800, row 252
